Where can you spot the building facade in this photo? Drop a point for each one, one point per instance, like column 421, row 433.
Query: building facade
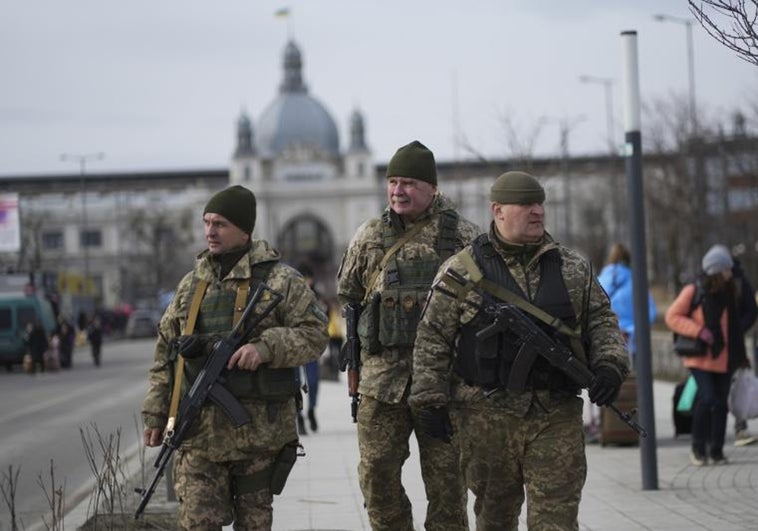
column 101, row 240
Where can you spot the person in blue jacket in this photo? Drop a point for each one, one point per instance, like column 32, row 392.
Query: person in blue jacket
column 616, row 279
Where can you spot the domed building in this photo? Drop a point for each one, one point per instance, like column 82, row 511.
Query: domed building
column 312, row 195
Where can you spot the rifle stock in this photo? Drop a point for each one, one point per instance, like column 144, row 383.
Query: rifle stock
column 208, row 387
column 536, row 342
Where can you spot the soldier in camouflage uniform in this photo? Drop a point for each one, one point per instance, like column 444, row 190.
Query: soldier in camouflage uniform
column 514, row 441
column 389, row 266
column 222, row 473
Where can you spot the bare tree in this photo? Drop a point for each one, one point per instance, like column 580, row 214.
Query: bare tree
column 519, row 139
column 732, row 23
column 698, row 192
column 674, row 196
column 54, row 494
column 8, row 488
column 162, row 252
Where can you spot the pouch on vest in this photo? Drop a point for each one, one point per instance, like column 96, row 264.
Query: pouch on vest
column 487, row 355
column 368, row 325
column 399, row 315
column 282, row 467
column 407, row 285
column 274, row 384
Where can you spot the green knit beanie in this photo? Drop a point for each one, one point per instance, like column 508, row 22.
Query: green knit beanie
column 237, row 204
column 517, row 188
column 413, row 161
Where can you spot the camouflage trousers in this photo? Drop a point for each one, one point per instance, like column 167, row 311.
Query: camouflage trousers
column 207, row 498
column 543, row 453
column 383, row 433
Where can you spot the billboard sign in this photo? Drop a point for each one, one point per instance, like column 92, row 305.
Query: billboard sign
column 10, row 228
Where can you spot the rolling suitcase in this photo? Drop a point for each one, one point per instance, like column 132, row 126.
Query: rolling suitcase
column 612, row 429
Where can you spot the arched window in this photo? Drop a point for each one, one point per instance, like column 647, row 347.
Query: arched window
column 306, row 237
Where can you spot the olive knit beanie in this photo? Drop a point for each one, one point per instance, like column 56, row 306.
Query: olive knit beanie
column 517, row 187
column 413, row 161
column 237, row 204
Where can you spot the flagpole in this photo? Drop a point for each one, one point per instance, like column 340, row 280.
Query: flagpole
column 286, row 12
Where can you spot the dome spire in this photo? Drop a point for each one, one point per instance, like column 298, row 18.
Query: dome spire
column 244, row 136
column 293, row 70
column 357, row 133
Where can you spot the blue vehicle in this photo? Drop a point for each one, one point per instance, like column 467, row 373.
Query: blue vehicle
column 16, row 311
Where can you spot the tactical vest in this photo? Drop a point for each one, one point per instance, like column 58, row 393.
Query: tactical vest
column 488, row 363
column 392, row 314
column 216, row 318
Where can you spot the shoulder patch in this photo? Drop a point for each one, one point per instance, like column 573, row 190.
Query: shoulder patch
column 316, row 310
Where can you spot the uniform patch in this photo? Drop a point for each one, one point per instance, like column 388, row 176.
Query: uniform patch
column 319, row 313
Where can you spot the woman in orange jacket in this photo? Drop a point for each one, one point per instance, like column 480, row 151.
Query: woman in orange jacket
column 713, row 318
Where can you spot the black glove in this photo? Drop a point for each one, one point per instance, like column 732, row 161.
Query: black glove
column 435, row 422
column 605, row 388
column 194, row 346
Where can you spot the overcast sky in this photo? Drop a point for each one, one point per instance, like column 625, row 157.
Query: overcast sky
column 159, row 85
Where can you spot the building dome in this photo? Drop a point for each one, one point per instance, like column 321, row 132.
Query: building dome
column 294, row 118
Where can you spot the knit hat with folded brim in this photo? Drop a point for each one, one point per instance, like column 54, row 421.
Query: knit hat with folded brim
column 716, row 260
column 237, row 204
column 413, row 161
column 517, row 188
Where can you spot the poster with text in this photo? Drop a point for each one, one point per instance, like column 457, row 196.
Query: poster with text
column 10, row 229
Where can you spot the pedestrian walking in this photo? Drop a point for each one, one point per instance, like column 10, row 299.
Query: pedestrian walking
column 36, row 344
column 747, row 309
column 309, row 374
column 388, row 269
column 67, row 337
column 330, row 365
column 223, row 473
column 709, row 310
column 95, row 338
column 519, row 418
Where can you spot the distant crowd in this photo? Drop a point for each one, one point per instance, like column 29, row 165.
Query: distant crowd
column 55, row 351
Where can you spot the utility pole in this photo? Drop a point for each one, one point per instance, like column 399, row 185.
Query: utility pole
column 694, row 148
column 82, row 159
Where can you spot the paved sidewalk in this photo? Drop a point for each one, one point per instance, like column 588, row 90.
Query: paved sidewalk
column 323, row 493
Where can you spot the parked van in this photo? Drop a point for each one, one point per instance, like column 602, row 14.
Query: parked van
column 143, row 323
column 16, row 311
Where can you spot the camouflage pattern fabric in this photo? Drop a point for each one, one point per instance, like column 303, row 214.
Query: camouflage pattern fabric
column 383, row 433
column 385, row 376
column 204, row 491
column 434, row 382
column 384, row 419
column 543, row 451
column 292, row 335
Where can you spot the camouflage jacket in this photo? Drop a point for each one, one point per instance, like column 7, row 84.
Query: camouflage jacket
column 385, row 376
column 434, row 350
column 292, row 335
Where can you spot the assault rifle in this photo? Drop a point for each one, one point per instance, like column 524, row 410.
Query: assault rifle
column 535, row 342
column 350, row 357
column 209, row 385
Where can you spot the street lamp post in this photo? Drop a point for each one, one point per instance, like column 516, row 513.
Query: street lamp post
column 690, row 65
column 699, row 178
column 607, row 84
column 82, row 160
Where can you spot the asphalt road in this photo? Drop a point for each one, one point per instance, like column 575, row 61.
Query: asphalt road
column 41, row 417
